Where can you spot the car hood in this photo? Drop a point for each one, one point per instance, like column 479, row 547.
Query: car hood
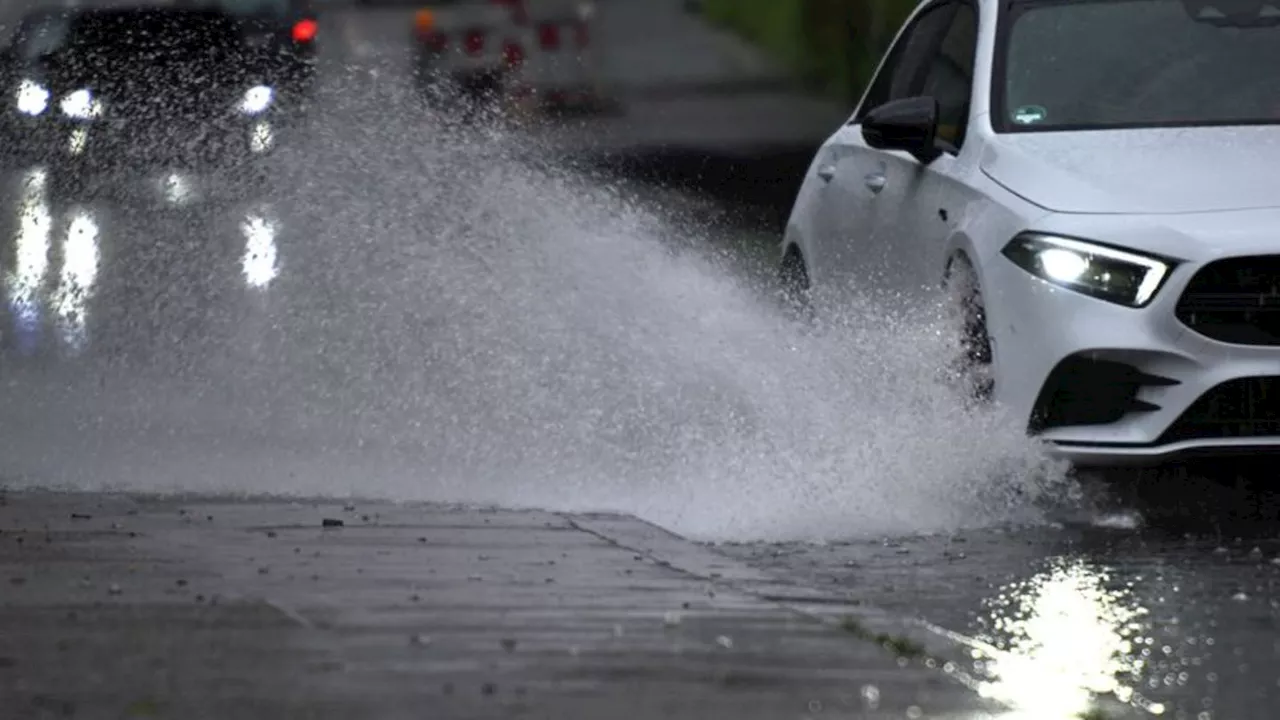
column 1150, row 171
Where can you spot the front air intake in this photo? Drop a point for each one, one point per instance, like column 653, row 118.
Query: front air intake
column 1083, row 390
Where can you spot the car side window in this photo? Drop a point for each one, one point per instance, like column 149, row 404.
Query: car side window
column 950, row 76
column 902, row 73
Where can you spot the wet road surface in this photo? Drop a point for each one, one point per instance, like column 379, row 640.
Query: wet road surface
column 1169, row 600
column 117, row 607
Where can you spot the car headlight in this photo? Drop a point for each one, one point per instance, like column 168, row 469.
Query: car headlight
column 31, row 98
column 1103, row 272
column 256, row 100
column 81, row 105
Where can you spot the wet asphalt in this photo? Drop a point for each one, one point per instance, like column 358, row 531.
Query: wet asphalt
column 119, row 606
column 1166, row 597
column 1163, row 593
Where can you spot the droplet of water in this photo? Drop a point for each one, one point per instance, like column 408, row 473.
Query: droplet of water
column 871, row 696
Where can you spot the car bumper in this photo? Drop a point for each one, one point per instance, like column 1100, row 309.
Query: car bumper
column 1107, row 385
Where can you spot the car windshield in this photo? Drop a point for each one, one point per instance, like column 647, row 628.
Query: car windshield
column 1137, row 63
column 140, row 33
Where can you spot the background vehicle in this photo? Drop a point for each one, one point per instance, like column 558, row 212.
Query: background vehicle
column 558, row 72
column 466, row 53
column 26, row 76
column 534, row 54
column 138, row 90
column 286, row 33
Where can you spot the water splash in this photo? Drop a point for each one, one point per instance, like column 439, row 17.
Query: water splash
column 449, row 321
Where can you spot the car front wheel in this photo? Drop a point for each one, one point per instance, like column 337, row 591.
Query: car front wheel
column 795, row 288
column 971, row 366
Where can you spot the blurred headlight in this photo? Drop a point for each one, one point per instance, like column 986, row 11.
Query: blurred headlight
column 32, row 98
column 256, row 100
column 81, row 105
column 1107, row 273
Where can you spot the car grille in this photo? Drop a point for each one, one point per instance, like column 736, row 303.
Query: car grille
column 1241, row 408
column 1235, row 301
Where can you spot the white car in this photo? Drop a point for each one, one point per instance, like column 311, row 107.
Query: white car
column 1096, row 182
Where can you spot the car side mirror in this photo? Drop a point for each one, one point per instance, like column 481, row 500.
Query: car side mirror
column 908, row 124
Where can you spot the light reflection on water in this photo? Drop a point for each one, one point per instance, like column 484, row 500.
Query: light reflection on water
column 51, row 281
column 1056, row 641
column 76, row 284
column 259, row 261
column 25, row 280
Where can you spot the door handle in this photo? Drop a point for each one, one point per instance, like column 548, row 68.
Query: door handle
column 876, row 182
column 827, row 172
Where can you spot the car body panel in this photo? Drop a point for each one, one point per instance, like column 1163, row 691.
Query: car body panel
column 836, row 202
column 1165, row 170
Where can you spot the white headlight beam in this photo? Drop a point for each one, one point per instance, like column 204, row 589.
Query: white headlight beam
column 1065, row 260
column 81, row 105
column 32, row 98
column 256, row 100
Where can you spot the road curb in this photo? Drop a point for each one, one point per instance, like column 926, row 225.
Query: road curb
column 915, row 641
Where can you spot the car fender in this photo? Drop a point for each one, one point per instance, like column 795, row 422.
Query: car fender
column 959, row 244
column 798, row 232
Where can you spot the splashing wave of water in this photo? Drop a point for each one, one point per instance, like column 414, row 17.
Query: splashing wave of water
column 450, row 323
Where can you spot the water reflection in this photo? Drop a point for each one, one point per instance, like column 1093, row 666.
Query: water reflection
column 52, row 262
column 261, row 137
column 259, row 261
column 1056, row 641
column 31, row 261
column 76, row 283
column 77, row 141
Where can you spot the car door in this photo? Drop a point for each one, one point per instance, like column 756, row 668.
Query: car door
column 938, row 195
column 865, row 186
column 881, row 181
column 859, row 180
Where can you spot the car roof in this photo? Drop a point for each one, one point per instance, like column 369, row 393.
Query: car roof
column 147, row 13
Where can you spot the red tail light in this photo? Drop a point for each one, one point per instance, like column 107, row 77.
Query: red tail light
column 473, row 43
column 305, row 31
column 436, row 41
column 513, row 54
column 549, row 36
column 581, row 34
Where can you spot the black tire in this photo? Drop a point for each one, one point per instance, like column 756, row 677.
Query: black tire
column 795, row 288
column 972, row 365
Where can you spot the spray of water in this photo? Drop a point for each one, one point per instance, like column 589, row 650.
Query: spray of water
column 428, row 314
